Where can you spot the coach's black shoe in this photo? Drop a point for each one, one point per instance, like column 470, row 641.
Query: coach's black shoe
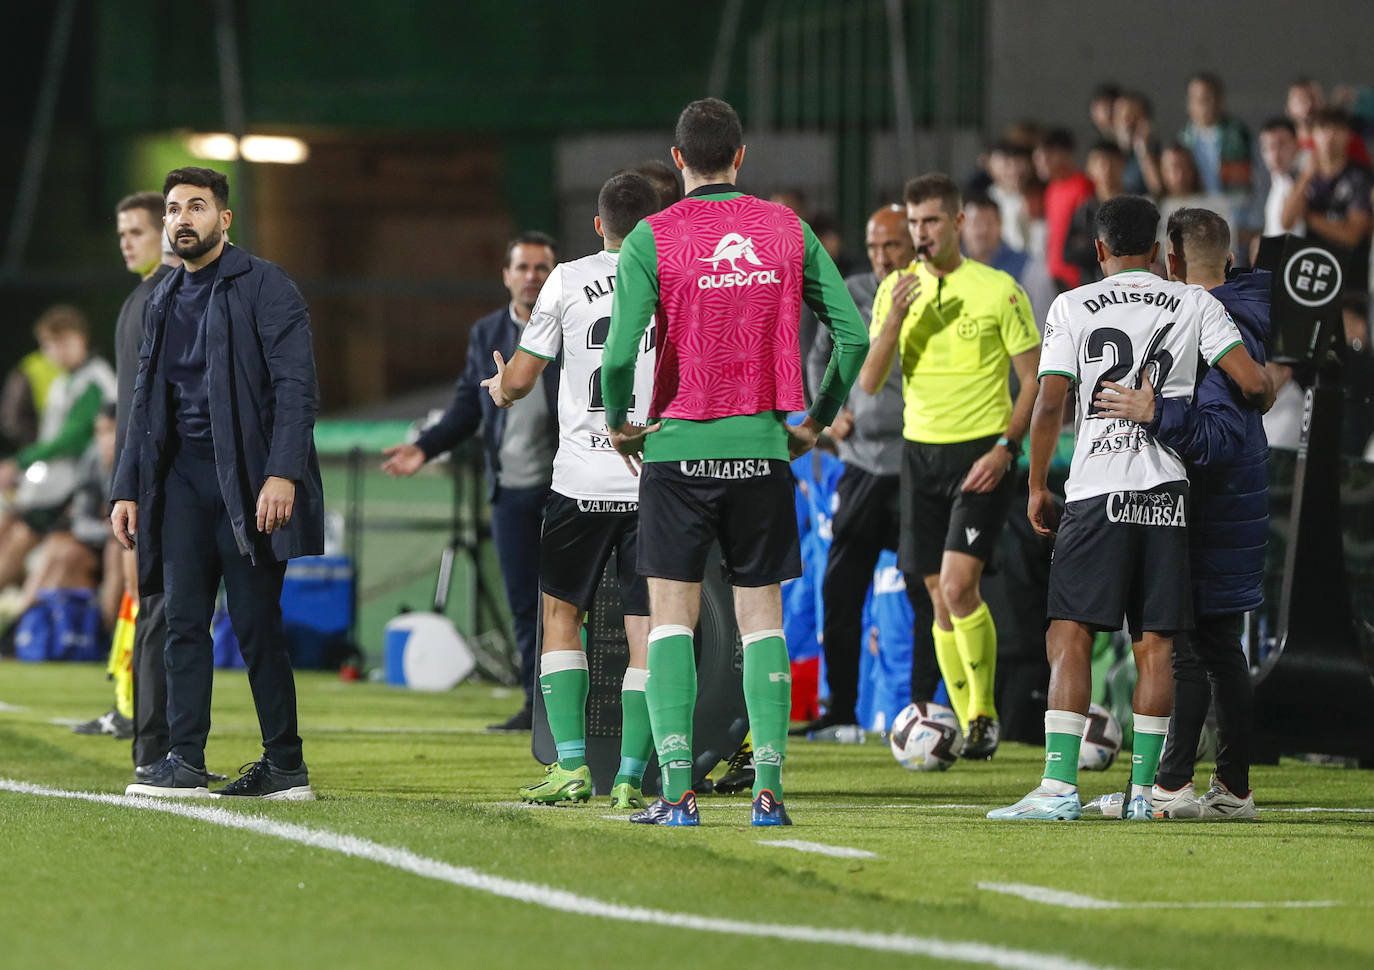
column 112, row 723
column 144, row 772
column 262, row 779
column 984, row 734
column 172, row 777
column 519, row 722
column 739, row 771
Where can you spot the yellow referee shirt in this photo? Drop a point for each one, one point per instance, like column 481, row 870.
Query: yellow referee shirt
column 955, row 350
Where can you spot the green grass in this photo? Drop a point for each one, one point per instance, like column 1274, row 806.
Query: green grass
column 85, row 884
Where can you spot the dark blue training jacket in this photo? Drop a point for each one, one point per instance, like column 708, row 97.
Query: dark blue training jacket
column 472, row 407
column 1222, row 440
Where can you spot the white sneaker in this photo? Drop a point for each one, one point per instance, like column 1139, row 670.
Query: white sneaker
column 1183, row 803
column 1108, row 806
column 1220, row 803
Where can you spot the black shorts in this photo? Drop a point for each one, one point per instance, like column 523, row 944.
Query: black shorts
column 1124, row 555
column 578, row 538
column 938, row 515
column 747, row 503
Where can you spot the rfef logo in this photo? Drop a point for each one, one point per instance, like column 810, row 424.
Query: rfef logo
column 1312, row 277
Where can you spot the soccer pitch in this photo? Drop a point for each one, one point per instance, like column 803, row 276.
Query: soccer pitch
column 417, row 855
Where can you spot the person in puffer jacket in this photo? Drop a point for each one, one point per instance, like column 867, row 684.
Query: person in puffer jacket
column 1222, row 440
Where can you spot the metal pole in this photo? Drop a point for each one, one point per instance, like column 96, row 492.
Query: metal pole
column 901, row 90
column 235, row 119
column 36, row 155
column 725, row 46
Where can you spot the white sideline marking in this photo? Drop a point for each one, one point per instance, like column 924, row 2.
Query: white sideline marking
column 1355, row 811
column 1062, row 897
column 568, row 902
column 9, row 707
column 820, row 848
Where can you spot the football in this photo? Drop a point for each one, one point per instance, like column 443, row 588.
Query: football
column 926, row 737
column 1101, row 740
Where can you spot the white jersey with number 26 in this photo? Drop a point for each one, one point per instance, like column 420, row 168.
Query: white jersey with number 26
column 573, row 314
column 1128, row 324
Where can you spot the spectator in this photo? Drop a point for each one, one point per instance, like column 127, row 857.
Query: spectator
column 1357, row 376
column 76, row 550
column 1183, row 190
column 1305, row 98
column 1279, row 151
column 1066, row 188
column 1102, row 108
column 65, row 431
column 1220, row 143
column 1106, row 168
column 1332, row 195
column 1131, row 127
column 982, row 240
column 23, row 397
column 1011, row 170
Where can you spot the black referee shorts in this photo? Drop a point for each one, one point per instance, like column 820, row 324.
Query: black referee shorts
column 747, row 503
column 938, row 515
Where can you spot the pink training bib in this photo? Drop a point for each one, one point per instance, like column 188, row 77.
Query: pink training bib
column 730, row 285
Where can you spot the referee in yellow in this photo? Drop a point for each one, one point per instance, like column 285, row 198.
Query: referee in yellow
column 955, row 325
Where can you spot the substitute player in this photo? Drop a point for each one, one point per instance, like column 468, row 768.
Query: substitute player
column 954, row 324
column 593, row 508
column 724, row 274
column 1122, row 549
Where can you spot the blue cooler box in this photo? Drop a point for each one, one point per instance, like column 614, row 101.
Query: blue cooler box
column 316, row 606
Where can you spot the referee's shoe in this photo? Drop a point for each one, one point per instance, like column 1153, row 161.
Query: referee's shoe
column 984, row 734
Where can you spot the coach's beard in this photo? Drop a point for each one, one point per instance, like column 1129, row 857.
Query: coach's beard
column 188, row 245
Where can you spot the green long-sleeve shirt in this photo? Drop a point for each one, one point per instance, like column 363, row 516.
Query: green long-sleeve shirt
column 75, row 434
column 738, row 436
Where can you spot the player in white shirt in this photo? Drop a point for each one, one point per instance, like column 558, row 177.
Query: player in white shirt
column 1122, row 545
column 593, row 508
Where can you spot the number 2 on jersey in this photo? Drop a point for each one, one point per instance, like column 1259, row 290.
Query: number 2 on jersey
column 596, row 340
column 1157, row 363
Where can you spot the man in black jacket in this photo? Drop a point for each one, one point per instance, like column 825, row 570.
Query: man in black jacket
column 520, row 444
column 219, row 479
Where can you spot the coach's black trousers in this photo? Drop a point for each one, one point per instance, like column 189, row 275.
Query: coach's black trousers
column 517, row 519
column 198, row 549
column 1210, row 667
column 150, row 682
column 865, row 524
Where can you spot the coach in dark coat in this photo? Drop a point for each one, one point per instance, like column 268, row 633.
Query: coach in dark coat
column 219, row 479
column 260, row 373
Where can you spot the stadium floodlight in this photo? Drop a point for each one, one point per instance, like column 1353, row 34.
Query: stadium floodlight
column 221, row 147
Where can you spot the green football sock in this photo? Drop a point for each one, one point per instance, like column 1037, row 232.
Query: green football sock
column 976, row 636
column 954, row 672
column 1063, row 735
column 636, row 737
column 1145, row 751
column 564, row 680
column 671, row 696
column 768, row 699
